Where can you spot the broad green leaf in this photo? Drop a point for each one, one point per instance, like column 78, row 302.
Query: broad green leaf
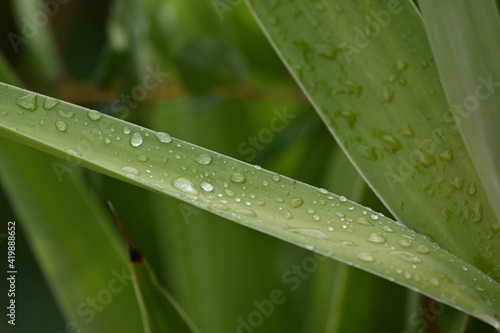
column 368, row 70
column 471, row 78
column 282, row 207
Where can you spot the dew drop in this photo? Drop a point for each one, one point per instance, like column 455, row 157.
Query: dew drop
column 296, row 202
column 312, row 233
column 478, row 213
column 328, row 51
column 220, row 206
column 126, row 130
column 342, row 198
column 184, row 185
column 65, row 114
column 404, row 243
column 61, row 126
column 406, row 256
column 472, row 189
column 388, row 94
column 391, row 142
column 229, row 192
column 387, row 228
column 28, row 102
column 207, row 186
column 422, row 249
column 130, row 172
column 425, row 159
column 94, row 115
column 434, row 282
column 447, row 156
column 376, row 238
column 143, row 158
column 350, row 117
column 203, row 159
column 49, row 103
column 363, row 221
column 374, row 216
column 238, row 178
column 246, row 212
column 457, row 184
column 276, row 178
column 349, row 243
column 163, row 137
column 136, row 139
column 322, row 190
column 401, row 65
column 365, row 256
column 495, row 227
column 409, row 131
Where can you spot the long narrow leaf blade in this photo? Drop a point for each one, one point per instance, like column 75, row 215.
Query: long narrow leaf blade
column 293, row 211
column 471, row 78
column 160, row 311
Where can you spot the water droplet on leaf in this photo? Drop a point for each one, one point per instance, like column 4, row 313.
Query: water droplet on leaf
column 207, row 186
column 238, row 178
column 28, row 102
column 312, row 233
column 61, row 126
column 184, row 185
column 49, row 103
column 136, row 140
column 296, row 202
column 246, row 212
column 65, row 114
column 163, row 137
column 365, row 256
column 406, row 256
column 203, row 159
column 143, row 158
column 376, row 238
column 94, row 115
column 404, row 243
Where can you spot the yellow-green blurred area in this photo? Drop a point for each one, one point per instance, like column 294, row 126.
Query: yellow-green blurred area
column 204, row 72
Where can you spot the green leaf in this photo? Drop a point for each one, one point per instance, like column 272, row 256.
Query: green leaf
column 37, row 39
column 282, row 207
column 69, row 236
column 471, row 77
column 160, row 311
column 368, row 70
column 71, row 240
